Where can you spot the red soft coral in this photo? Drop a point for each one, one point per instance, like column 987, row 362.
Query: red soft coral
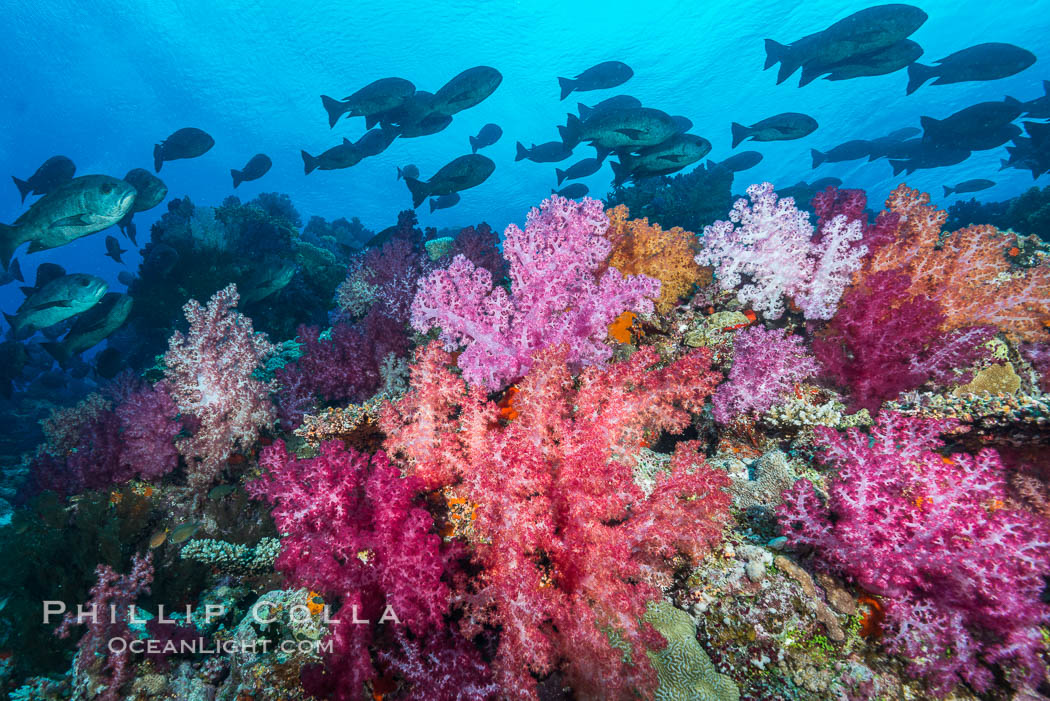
column 570, row 548
column 959, row 573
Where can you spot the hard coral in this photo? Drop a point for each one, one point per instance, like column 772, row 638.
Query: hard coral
column 209, row 372
column 959, row 572
column 555, row 296
column 641, row 248
column 570, row 547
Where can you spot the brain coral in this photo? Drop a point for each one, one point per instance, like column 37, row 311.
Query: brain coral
column 683, row 668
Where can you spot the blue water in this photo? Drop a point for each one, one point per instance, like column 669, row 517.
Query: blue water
column 103, row 81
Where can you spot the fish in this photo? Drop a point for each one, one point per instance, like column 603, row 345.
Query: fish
column 159, row 259
column 342, row 156
column 682, row 124
column 113, row 249
column 550, row 152
column 487, row 136
column 1039, row 108
column 377, row 97
column 579, row 169
column 82, row 206
column 617, row 102
column 975, row 185
column 266, row 281
column 92, row 327
column 12, row 274
column 781, row 127
column 444, row 202
column 431, row 124
column 465, row 90
column 882, row 62
column 45, row 273
column 188, row 142
column 221, row 491
column 374, row 141
column 802, row 192
column 183, row 533
column 983, row 62
column 863, row 32
column 744, row 160
column 52, row 173
column 608, row 74
column 572, row 192
column 973, row 125
column 891, row 148
column 611, row 129
column 663, row 159
column 149, row 192
column 460, row 174
column 157, row 539
column 126, row 278
column 929, row 157
column 56, row 301
column 410, row 171
column 257, row 166
column 847, row 151
column 108, row 363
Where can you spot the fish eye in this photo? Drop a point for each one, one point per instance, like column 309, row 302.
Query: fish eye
column 106, row 188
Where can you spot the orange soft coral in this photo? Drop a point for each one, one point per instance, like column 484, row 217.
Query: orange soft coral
column 641, row 248
column 968, row 272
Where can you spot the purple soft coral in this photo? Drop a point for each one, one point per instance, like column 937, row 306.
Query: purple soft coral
column 772, row 243
column 766, row 363
column 960, row 574
column 555, row 296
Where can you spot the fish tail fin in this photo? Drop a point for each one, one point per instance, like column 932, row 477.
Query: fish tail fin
column 473, row 144
column 58, row 351
column 9, row 241
column 584, row 110
column 158, row 157
column 561, row 175
column 418, row 188
column 334, row 108
column 309, row 162
column 570, row 132
column 620, row 173
column 11, row 319
column 917, row 75
column 898, row 166
column 567, row 86
column 774, row 53
column 818, row 157
column 238, row 177
column 24, row 188
column 929, row 125
column 432, row 200
column 522, row 154
column 947, row 190
column 1014, row 102
column 810, row 72
column 740, row 132
column 400, row 173
column 16, row 270
column 601, row 153
column 1003, row 164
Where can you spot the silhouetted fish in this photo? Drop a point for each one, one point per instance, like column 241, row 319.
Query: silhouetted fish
column 580, row 169
column 617, row 102
column 257, row 166
column 444, row 202
column 189, row 142
column 738, row 162
column 682, row 124
column 550, row 152
column 431, row 124
column 966, row 186
column 780, row 127
column 930, row 156
column 573, row 192
column 607, row 74
column 342, row 156
column 113, row 249
column 892, row 58
column 973, row 127
column 466, row 90
column 848, row 151
column 989, row 61
column 377, row 97
column 1039, row 108
column 460, row 174
column 409, row 171
column 52, row 173
column 489, row 134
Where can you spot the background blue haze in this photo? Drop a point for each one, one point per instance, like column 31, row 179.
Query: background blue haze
column 103, row 81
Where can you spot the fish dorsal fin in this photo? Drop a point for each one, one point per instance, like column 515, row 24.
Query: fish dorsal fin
column 47, row 272
column 347, row 142
column 26, row 290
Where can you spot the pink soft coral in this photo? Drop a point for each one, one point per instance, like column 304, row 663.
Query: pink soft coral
column 772, row 243
column 209, row 372
column 555, row 296
column 960, row 574
column 570, row 548
column 766, row 365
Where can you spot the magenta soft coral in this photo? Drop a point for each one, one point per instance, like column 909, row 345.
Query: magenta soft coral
column 209, row 372
column 884, row 341
column 960, row 575
column 555, row 296
column 766, row 365
column 352, row 530
column 570, row 548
